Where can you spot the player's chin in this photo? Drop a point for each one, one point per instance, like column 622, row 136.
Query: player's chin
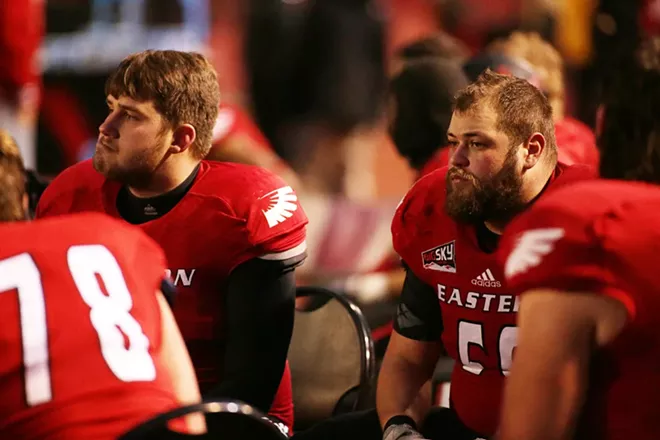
column 460, row 190
column 102, row 163
column 462, row 205
column 467, row 213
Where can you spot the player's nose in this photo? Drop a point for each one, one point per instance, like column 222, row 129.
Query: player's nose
column 109, row 126
column 458, row 156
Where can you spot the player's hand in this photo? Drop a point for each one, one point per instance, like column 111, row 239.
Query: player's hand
column 402, row 432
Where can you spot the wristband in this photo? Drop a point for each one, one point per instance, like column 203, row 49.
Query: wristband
column 400, row 420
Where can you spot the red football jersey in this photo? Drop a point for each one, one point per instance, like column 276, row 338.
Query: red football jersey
column 231, row 214
column 81, row 329
column 478, row 310
column 601, row 237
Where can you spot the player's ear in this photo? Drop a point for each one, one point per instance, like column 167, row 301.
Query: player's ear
column 533, row 149
column 182, row 138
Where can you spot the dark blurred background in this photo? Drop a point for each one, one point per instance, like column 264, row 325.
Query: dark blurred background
column 80, row 40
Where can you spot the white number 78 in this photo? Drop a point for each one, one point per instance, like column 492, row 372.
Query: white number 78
column 109, row 315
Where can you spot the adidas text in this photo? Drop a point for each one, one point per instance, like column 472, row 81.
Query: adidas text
column 486, row 283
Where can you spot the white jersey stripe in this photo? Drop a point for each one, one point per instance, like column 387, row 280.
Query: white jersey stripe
column 285, row 255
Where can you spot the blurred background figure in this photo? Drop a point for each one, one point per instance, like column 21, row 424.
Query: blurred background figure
column 439, row 44
column 316, row 77
column 575, row 139
column 236, row 138
column 364, row 165
column 421, row 98
column 21, row 30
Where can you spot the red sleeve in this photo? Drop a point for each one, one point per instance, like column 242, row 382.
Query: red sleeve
column 555, row 248
column 425, row 194
column 400, row 239
column 275, row 219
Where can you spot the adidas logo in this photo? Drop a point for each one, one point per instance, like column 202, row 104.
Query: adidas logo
column 486, row 279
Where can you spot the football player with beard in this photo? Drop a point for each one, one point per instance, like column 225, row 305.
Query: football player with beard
column 454, row 299
column 446, row 230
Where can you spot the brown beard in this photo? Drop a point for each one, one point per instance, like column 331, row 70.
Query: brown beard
column 497, row 199
column 137, row 174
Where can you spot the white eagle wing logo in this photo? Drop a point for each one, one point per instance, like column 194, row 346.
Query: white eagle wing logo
column 531, row 247
column 282, row 205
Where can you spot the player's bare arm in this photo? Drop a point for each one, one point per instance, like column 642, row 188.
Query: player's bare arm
column 412, row 354
column 407, row 366
column 558, row 332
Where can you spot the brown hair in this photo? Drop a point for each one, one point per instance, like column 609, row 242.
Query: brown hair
column 543, row 57
column 12, row 180
column 521, row 108
column 183, row 87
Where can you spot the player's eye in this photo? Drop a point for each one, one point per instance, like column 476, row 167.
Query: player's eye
column 476, row 144
column 452, row 143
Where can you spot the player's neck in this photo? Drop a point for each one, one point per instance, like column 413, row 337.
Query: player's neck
column 537, row 181
column 167, row 177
